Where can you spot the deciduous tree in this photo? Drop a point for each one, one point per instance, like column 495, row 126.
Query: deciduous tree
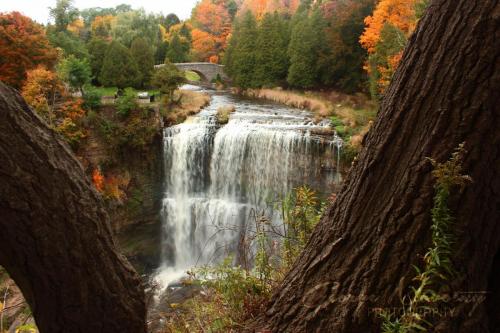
column 23, row 46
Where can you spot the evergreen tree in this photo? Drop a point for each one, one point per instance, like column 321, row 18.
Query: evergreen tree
column 242, row 55
column 119, row 68
column 176, row 50
column 97, row 50
column 345, row 65
column 307, row 50
column 68, row 43
column 271, row 52
column 142, row 53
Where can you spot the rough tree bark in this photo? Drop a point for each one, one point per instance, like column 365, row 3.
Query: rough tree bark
column 55, row 236
column 360, row 256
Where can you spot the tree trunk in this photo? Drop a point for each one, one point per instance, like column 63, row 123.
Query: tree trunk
column 361, row 255
column 55, row 239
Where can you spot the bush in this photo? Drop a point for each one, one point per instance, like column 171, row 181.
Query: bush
column 91, row 98
column 126, row 103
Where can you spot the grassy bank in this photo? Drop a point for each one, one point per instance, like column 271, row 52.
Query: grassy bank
column 350, row 115
column 190, row 103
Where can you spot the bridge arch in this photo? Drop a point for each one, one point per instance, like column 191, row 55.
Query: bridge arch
column 207, row 70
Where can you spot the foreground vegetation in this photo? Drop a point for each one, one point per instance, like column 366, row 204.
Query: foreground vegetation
column 233, row 294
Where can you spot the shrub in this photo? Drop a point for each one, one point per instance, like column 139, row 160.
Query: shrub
column 126, row 103
column 223, row 114
column 91, row 98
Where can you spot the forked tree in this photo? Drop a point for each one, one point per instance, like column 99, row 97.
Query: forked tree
column 361, row 256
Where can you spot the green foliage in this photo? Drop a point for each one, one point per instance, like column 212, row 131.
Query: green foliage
column 75, row 72
column 438, row 269
column 233, row 283
column 301, row 211
column 392, row 41
column 63, row 14
column 135, row 132
column 133, row 24
column 126, row 103
column 178, row 50
column 344, row 64
column 271, row 51
column 306, row 50
column 97, row 51
column 142, row 53
column 68, row 43
column 119, row 68
column 91, row 98
column 240, row 59
column 420, row 7
column 167, row 79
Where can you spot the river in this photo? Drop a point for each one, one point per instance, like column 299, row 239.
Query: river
column 218, row 177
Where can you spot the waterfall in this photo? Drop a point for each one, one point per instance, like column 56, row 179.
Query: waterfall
column 215, row 176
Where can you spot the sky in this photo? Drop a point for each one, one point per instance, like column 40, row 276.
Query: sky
column 38, row 9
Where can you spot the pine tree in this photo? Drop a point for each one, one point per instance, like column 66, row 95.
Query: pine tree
column 271, row 52
column 97, row 50
column 142, row 53
column 176, row 51
column 242, row 59
column 308, row 50
column 119, row 68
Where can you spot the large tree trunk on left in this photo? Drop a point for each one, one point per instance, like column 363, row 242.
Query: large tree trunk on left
column 55, row 236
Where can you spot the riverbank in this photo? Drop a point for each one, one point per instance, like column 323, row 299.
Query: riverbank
column 350, row 115
column 190, row 103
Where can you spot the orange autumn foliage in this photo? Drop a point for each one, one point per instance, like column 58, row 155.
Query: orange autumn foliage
column 72, row 109
column 76, row 27
column 98, row 180
column 400, row 13
column 203, row 44
column 23, row 46
column 212, row 26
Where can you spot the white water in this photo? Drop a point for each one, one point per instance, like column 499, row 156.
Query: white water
column 216, row 176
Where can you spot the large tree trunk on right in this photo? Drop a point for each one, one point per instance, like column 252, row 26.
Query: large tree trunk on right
column 361, row 255
column 55, row 236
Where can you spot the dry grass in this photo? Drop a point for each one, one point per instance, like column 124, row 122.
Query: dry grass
column 191, row 102
column 223, row 113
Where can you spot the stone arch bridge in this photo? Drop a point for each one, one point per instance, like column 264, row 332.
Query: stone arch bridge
column 206, row 70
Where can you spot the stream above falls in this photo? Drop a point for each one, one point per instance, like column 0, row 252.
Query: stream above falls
column 218, row 176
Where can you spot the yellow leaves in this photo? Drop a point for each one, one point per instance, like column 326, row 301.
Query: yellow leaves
column 76, row 26
column 102, row 25
column 40, row 88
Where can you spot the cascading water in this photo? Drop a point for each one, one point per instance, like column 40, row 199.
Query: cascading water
column 216, row 175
